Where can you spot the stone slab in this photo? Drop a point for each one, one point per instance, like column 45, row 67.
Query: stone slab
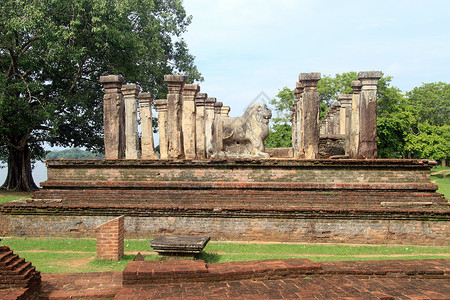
column 178, row 244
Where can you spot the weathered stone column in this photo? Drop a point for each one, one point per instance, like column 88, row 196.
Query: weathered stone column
column 209, row 120
column 130, row 93
column 310, row 111
column 200, row 125
column 148, row 147
column 368, row 114
column 161, row 109
column 354, row 128
column 113, row 117
column 294, row 120
column 337, row 118
column 346, row 112
column 175, row 83
column 298, row 140
column 188, row 123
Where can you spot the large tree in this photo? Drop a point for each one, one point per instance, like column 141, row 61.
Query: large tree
column 52, row 53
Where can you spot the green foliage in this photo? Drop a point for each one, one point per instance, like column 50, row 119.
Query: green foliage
column 429, row 142
column 280, row 136
column 52, row 54
column 431, row 103
column 74, row 153
column 329, row 88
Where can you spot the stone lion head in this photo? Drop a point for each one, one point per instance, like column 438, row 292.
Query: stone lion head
column 260, row 112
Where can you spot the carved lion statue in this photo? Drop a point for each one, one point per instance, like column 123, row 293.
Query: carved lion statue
column 243, row 136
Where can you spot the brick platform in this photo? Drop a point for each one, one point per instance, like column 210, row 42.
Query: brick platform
column 343, row 200
column 269, row 279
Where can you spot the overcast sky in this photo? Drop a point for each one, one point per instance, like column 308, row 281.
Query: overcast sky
column 245, row 47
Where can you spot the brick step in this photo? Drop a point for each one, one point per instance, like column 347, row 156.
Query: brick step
column 4, row 249
column 170, row 195
column 10, row 262
column 16, row 263
column 5, row 255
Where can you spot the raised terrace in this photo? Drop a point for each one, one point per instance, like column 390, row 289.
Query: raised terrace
column 214, row 177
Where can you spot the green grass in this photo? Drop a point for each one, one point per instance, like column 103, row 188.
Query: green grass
column 6, row 196
column 441, row 177
column 55, row 255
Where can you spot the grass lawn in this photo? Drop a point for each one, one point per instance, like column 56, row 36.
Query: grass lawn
column 6, row 196
column 78, row 255
column 441, row 177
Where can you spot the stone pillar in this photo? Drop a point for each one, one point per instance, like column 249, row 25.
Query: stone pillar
column 200, row 125
column 209, row 120
column 298, row 117
column 189, row 120
column 335, row 116
column 161, row 108
column 113, row 117
column 130, row 93
column 175, row 83
column 368, row 114
column 224, row 111
column 148, row 147
column 346, row 112
column 310, row 111
column 354, row 128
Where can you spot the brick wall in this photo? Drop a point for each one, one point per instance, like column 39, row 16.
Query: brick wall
column 110, row 237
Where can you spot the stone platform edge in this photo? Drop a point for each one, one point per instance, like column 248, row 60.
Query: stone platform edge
column 52, row 207
column 157, row 272
column 251, row 162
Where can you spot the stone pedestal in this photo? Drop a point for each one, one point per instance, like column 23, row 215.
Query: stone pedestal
column 148, row 148
column 209, row 120
column 368, row 114
column 113, row 117
column 200, row 125
column 354, row 128
column 130, row 93
column 309, row 140
column 189, row 120
column 161, row 109
column 175, row 83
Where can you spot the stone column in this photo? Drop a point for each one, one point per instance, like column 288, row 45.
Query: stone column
column 337, row 117
column 200, row 125
column 310, row 111
column 113, row 117
column 189, row 120
column 209, row 119
column 368, row 114
column 224, row 111
column 130, row 93
column 298, row 117
column 161, row 108
column 148, row 147
column 354, row 128
column 175, row 83
column 346, row 108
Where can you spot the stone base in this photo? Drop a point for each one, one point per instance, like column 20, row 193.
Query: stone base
column 348, row 201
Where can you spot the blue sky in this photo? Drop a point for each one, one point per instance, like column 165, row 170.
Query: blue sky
column 245, row 47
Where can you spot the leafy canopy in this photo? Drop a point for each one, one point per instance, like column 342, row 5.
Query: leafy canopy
column 52, row 53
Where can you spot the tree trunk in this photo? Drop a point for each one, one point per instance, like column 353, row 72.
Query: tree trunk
column 19, row 171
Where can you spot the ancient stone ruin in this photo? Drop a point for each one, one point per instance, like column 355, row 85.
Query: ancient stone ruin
column 195, row 126
column 213, row 176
